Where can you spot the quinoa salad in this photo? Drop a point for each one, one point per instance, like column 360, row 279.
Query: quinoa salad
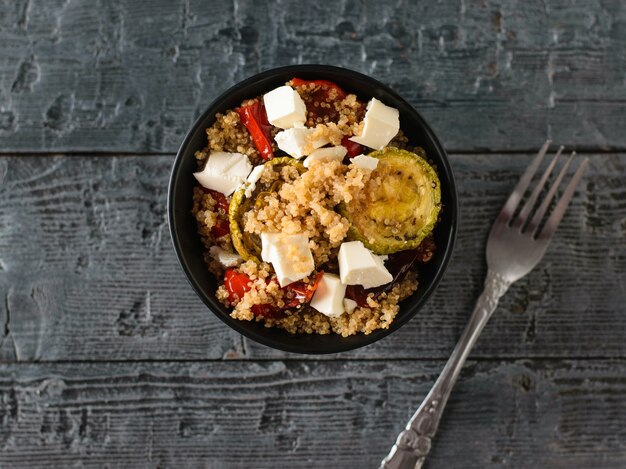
column 314, row 210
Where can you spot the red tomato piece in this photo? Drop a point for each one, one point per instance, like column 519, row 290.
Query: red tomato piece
column 354, row 149
column 236, row 283
column 302, row 292
column 265, row 311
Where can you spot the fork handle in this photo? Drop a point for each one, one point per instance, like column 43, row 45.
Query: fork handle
column 414, row 443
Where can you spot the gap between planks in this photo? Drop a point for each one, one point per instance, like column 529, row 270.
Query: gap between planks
column 320, row 358
column 482, row 151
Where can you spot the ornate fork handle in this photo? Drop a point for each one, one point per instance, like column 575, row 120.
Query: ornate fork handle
column 413, row 444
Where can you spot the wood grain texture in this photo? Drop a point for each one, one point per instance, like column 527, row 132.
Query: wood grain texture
column 133, row 370
column 557, row 414
column 131, row 76
column 87, row 270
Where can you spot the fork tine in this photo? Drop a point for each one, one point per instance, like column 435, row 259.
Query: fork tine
column 543, row 208
column 556, row 216
column 530, row 203
column 512, row 202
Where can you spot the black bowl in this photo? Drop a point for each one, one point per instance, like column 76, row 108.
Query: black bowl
column 187, row 242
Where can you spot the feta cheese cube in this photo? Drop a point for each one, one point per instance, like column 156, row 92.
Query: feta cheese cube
column 254, row 176
column 295, row 142
column 360, row 266
column 289, row 254
column 325, row 154
column 268, row 242
column 224, row 257
column 380, row 125
column 298, row 141
column 328, row 298
column 318, row 141
column 224, row 172
column 349, row 305
column 284, row 107
column 365, row 162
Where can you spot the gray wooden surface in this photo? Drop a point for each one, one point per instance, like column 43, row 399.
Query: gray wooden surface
column 128, row 75
column 276, row 414
column 108, row 359
column 87, row 253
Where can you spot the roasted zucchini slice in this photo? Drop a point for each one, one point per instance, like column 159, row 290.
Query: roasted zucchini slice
column 399, row 205
column 248, row 245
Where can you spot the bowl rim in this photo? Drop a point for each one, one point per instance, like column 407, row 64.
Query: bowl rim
column 237, row 324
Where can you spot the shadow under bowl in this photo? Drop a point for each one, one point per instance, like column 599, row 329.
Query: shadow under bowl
column 189, row 249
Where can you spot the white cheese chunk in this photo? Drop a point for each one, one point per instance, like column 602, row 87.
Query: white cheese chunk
column 325, row 154
column 360, row 266
column 254, row 176
column 289, row 254
column 298, row 141
column 380, row 125
column 268, row 241
column 365, row 162
column 328, row 298
column 224, row 257
column 349, row 305
column 284, row 107
column 224, row 172
column 319, row 141
column 295, row 141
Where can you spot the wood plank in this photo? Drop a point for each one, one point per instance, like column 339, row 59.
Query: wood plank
column 131, row 76
column 87, row 271
column 557, row 414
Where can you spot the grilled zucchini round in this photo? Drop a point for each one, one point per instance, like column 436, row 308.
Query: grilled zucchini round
column 398, row 206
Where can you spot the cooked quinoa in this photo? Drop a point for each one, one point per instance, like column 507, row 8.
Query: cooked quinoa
column 291, row 200
column 306, row 205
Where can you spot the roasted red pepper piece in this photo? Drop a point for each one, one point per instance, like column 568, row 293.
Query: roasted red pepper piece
column 354, row 149
column 302, row 292
column 324, row 91
column 357, row 293
column 326, row 84
column 254, row 117
column 220, row 200
column 222, row 227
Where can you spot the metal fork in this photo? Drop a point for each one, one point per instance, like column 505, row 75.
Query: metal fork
column 514, row 248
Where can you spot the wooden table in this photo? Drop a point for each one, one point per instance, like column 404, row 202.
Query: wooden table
column 110, row 360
